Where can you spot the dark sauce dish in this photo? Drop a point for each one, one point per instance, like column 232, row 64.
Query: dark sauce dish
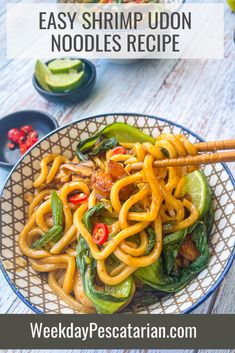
column 42, row 122
column 73, row 96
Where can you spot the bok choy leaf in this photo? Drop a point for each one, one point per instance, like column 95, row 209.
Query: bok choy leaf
column 95, row 210
column 112, row 298
column 110, row 137
column 159, row 276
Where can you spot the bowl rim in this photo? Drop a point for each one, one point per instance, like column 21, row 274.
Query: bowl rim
column 27, row 111
column 98, row 116
column 39, row 89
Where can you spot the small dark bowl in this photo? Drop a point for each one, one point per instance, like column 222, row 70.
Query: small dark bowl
column 75, row 95
column 42, row 122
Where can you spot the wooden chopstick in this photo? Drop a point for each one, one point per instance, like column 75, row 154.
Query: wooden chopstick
column 211, row 158
column 215, row 145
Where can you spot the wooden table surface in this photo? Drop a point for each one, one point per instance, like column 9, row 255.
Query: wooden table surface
column 199, row 94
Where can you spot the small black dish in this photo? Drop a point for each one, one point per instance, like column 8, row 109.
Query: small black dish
column 75, row 95
column 42, row 122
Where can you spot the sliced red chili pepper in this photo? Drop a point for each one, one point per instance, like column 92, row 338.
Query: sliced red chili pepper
column 26, row 129
column 11, row 146
column 119, row 150
column 100, row 234
column 33, row 134
column 23, row 148
column 11, row 133
column 19, row 137
column 16, row 135
column 25, row 137
column 78, row 198
column 30, row 141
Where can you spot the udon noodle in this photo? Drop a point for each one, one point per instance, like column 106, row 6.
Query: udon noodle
column 133, row 202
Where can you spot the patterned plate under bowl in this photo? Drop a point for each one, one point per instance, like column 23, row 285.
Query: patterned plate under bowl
column 32, row 287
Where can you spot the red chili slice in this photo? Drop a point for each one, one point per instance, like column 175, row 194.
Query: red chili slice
column 78, row 198
column 11, row 146
column 100, row 234
column 33, row 134
column 21, row 137
column 30, row 141
column 23, row 148
column 16, row 135
column 119, row 150
column 11, row 133
column 25, row 137
column 26, row 129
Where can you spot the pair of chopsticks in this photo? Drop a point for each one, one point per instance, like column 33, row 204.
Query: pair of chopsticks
column 210, row 158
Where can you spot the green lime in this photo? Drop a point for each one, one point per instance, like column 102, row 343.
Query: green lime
column 232, row 4
column 64, row 65
column 41, row 72
column 65, row 82
column 198, row 188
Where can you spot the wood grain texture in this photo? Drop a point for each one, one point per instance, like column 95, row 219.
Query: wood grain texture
column 199, row 94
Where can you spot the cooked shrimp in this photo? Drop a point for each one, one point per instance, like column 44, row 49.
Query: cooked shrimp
column 102, row 184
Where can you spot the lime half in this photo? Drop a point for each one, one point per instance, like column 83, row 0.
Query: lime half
column 232, row 4
column 199, row 190
column 41, row 72
column 64, row 65
column 65, row 82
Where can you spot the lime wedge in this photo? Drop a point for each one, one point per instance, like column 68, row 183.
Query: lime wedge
column 64, row 65
column 199, row 190
column 41, row 72
column 231, row 4
column 65, row 82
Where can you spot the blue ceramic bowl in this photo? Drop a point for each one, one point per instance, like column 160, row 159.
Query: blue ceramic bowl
column 32, row 288
column 42, row 122
column 75, row 95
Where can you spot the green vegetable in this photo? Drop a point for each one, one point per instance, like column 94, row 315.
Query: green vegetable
column 151, row 240
column 53, row 235
column 171, row 246
column 112, row 298
column 209, row 220
column 109, row 220
column 100, row 147
column 120, row 131
column 57, row 209
column 156, row 275
column 104, row 146
column 168, row 226
column 90, row 213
